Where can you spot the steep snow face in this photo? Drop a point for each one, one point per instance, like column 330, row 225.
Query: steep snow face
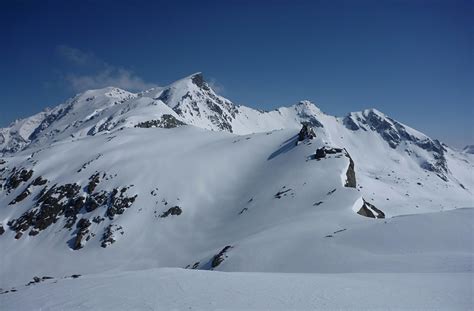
column 430, row 154
column 469, row 149
column 16, row 136
column 77, row 117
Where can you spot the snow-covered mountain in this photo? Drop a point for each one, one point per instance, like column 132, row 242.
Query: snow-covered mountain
column 179, row 176
column 469, row 149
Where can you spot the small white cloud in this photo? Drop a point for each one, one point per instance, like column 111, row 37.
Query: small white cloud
column 77, row 56
column 121, row 78
column 102, row 75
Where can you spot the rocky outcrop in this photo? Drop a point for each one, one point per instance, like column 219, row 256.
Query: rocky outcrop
column 82, row 235
column 96, row 200
column 350, row 173
column 51, row 204
column 39, row 181
column 2, row 230
column 17, row 177
column 119, row 202
column 306, row 132
column 323, row 151
column 93, row 182
column 369, row 210
column 67, row 201
column 167, row 121
column 21, row 196
column 219, row 258
column 108, row 238
column 175, row 210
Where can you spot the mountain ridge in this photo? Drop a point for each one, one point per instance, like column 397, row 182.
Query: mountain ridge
column 208, row 110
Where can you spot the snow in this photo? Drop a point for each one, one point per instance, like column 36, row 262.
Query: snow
column 170, row 289
column 240, row 180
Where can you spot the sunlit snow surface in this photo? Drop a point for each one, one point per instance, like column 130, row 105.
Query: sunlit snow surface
column 260, row 192
column 177, row 289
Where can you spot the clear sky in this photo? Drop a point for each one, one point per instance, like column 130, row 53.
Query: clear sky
column 411, row 59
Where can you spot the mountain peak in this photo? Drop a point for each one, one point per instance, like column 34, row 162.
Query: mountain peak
column 469, row 149
column 306, row 107
column 198, row 80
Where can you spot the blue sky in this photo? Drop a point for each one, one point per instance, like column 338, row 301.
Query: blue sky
column 411, row 59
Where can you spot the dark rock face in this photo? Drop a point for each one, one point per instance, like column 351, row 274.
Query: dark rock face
column 219, row 258
column 21, row 196
column 93, row 182
column 199, row 81
column 82, row 233
column 306, row 132
column 96, row 200
column 2, row 230
column 167, row 121
column 350, row 174
column 119, row 202
column 66, row 202
column 322, row 152
column 368, row 210
column 51, row 205
column 175, row 210
column 350, row 124
column 108, row 236
column 17, row 177
column 39, row 181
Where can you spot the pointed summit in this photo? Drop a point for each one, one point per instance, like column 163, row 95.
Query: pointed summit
column 198, row 80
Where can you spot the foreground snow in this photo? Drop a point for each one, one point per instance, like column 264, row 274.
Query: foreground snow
column 411, row 262
column 167, row 289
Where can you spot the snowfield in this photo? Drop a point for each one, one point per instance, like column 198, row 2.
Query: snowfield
column 176, row 198
column 177, row 289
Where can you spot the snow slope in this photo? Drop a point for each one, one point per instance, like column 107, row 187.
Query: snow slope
column 175, row 289
column 179, row 176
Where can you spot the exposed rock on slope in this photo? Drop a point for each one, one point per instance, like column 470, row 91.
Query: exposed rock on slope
column 350, row 174
column 65, row 203
column 368, row 210
column 306, row 132
column 398, row 135
column 167, row 121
